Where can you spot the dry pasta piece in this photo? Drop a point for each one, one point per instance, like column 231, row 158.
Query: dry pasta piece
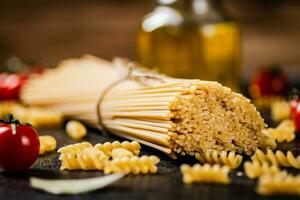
column 47, row 143
column 88, row 159
column 38, row 117
column 121, row 153
column 73, row 148
column 205, row 174
column 231, row 159
column 278, row 158
column 280, row 110
column 284, row 132
column 107, row 147
column 265, row 102
column 280, row 183
column 134, row 165
column 269, row 142
column 76, row 130
column 256, row 169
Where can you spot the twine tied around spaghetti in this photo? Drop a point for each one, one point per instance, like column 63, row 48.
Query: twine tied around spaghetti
column 145, row 75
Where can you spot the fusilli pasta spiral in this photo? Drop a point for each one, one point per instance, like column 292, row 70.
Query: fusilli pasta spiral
column 107, row 147
column 284, row 132
column 231, row 159
column 88, row 159
column 134, row 165
column 74, row 148
column 256, row 169
column 268, row 141
column 47, row 143
column 281, row 183
column 205, row 174
column 280, row 110
column 278, row 158
column 120, row 153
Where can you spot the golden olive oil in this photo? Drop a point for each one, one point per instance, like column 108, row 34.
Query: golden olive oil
column 186, row 46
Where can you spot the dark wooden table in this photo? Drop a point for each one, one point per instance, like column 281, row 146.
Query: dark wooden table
column 166, row 184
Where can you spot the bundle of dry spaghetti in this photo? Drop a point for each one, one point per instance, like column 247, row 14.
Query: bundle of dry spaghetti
column 172, row 115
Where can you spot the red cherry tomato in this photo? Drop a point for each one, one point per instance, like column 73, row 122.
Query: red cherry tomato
column 296, row 117
column 10, row 85
column 269, row 82
column 19, row 146
column 293, row 106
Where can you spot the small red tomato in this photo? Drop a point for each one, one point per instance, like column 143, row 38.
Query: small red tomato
column 269, row 82
column 19, row 145
column 293, row 106
column 296, row 118
column 10, row 85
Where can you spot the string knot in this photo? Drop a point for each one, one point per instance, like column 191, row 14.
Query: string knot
column 130, row 71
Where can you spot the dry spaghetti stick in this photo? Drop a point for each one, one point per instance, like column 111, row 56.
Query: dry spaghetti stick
column 139, row 126
column 155, row 146
column 160, row 139
column 158, row 124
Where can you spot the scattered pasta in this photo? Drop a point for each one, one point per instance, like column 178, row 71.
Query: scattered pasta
column 280, row 183
column 269, row 142
column 280, row 110
column 278, row 158
column 205, row 174
column 85, row 156
column 76, row 130
column 265, row 102
column 74, row 148
column 107, row 147
column 120, row 153
column 88, row 159
column 256, row 169
column 38, row 117
column 231, row 159
column 47, row 144
column 134, row 165
column 284, row 132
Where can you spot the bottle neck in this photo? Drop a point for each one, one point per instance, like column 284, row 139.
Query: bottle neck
column 192, row 6
column 208, row 10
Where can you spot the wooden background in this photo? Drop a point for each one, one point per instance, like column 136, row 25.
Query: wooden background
column 51, row 30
